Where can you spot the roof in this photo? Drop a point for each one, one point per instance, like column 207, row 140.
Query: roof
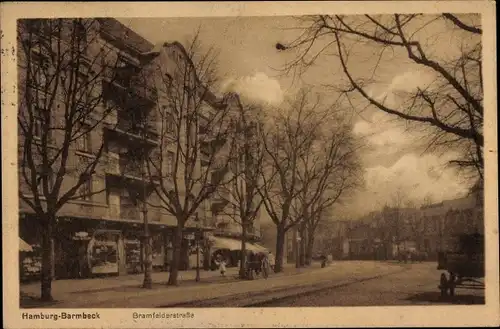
column 128, row 37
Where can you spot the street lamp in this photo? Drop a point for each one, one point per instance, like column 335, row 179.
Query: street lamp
column 148, row 282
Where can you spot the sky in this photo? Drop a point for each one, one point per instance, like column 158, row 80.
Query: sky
column 250, row 64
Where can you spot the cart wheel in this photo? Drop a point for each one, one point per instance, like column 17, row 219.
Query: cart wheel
column 451, row 284
column 443, row 284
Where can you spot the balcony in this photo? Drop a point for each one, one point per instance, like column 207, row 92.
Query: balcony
column 128, row 85
column 123, row 167
column 124, row 170
column 134, row 132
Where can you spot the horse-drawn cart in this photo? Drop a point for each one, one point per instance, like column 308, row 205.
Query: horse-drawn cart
column 256, row 265
column 464, row 264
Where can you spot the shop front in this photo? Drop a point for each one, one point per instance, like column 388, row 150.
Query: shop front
column 230, row 249
column 30, row 261
column 85, row 247
column 104, row 252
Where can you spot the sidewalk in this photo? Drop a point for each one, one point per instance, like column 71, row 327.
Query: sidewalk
column 64, row 290
column 113, row 282
column 189, row 291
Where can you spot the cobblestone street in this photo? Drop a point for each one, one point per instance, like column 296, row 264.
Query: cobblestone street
column 216, row 291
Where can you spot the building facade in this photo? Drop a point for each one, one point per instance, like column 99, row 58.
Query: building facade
column 102, row 233
column 428, row 229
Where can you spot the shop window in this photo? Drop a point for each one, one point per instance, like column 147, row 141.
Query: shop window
column 133, row 255
column 104, row 258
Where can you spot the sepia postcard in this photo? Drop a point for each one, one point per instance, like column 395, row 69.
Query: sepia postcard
column 249, row 164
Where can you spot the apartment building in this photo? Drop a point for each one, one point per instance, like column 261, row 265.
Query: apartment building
column 103, row 232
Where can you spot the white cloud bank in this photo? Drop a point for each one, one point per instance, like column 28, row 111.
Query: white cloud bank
column 394, row 161
column 259, row 88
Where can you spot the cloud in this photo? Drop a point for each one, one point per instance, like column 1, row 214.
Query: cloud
column 418, row 176
column 393, row 160
column 411, row 80
column 395, row 91
column 259, row 87
column 385, row 136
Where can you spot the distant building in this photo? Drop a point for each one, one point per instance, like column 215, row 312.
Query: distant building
column 387, row 233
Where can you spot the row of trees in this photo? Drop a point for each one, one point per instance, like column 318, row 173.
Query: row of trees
column 295, row 160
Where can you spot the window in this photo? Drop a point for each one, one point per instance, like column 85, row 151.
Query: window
column 83, row 142
column 170, row 163
column 45, row 27
column 39, row 72
column 86, row 190
column 168, row 80
column 80, row 32
column 41, row 176
column 37, row 122
column 170, row 124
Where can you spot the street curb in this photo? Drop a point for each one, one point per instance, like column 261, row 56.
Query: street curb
column 59, row 303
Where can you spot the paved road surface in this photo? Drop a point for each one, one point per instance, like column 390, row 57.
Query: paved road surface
column 417, row 285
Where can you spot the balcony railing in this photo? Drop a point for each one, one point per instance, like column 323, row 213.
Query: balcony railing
column 132, row 83
column 147, row 131
column 123, row 166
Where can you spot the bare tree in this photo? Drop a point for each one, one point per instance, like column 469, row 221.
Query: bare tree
column 60, row 119
column 418, row 225
column 288, row 140
column 241, row 194
column 194, row 152
column 330, row 171
column 449, row 109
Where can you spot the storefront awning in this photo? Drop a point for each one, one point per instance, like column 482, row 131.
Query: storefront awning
column 225, row 243
column 234, row 244
column 24, row 246
column 256, row 247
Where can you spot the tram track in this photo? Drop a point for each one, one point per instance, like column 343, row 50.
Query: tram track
column 270, row 296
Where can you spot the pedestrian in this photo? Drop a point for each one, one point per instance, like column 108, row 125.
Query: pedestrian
column 272, row 260
column 221, row 262
column 323, row 261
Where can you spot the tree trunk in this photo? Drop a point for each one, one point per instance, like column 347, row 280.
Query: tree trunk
column 303, row 243
column 148, row 255
column 309, row 248
column 148, row 263
column 47, row 260
column 176, row 256
column 243, row 256
column 280, row 243
column 296, row 247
